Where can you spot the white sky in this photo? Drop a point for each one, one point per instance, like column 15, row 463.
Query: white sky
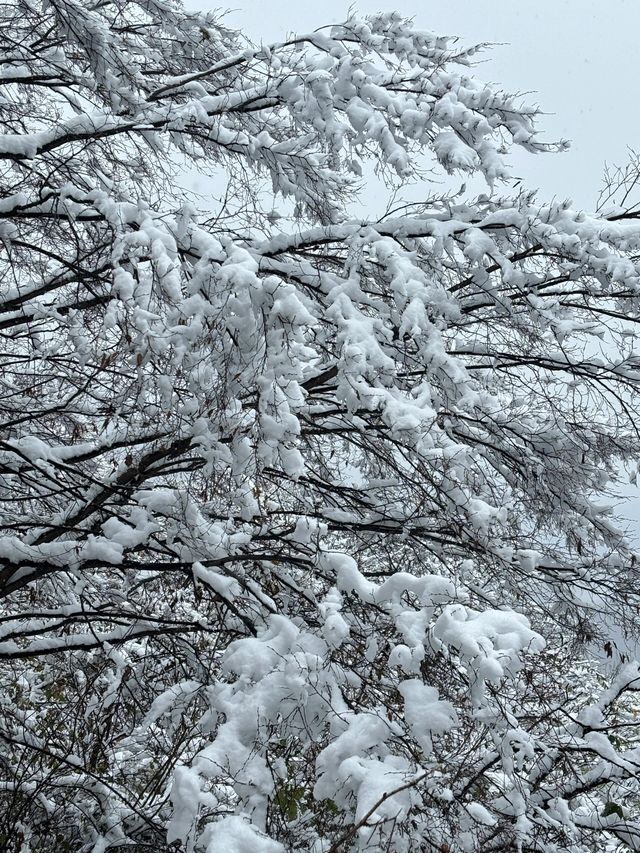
column 580, row 59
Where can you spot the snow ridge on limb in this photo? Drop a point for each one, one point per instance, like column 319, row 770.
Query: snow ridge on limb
column 302, row 542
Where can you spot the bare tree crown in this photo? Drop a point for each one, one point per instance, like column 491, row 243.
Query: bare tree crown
column 303, row 542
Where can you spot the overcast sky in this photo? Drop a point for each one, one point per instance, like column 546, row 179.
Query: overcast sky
column 579, row 59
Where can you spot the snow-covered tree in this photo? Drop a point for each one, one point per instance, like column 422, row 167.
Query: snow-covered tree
column 303, row 544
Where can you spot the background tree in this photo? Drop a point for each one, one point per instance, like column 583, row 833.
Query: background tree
column 290, row 497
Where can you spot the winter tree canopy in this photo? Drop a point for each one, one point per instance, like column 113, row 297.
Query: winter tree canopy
column 306, row 538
